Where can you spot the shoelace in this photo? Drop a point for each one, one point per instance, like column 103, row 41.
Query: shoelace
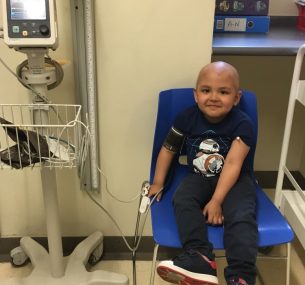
column 185, row 255
column 190, row 253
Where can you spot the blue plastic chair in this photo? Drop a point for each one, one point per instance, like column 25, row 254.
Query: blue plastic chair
column 273, row 227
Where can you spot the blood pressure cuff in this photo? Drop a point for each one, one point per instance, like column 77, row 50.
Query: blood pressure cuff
column 173, row 140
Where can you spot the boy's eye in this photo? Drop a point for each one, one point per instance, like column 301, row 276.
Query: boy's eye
column 224, row 92
column 205, row 90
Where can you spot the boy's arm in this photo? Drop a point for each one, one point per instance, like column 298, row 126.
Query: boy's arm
column 228, row 177
column 164, row 161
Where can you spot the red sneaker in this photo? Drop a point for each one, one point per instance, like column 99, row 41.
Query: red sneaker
column 189, row 268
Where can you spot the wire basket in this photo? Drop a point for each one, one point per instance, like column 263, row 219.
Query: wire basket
column 45, row 135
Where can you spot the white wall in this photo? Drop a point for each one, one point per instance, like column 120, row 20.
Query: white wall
column 143, row 47
column 282, row 8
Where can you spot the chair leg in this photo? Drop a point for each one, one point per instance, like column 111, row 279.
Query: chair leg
column 153, row 265
column 288, row 263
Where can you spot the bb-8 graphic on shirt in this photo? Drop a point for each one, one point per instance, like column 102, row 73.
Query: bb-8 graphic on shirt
column 208, row 161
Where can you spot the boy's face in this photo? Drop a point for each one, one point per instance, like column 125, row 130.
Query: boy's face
column 216, row 92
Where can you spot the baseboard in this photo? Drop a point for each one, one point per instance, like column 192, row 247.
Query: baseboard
column 114, row 246
column 267, row 179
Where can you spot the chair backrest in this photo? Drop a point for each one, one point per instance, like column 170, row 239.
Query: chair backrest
column 272, row 226
column 172, row 102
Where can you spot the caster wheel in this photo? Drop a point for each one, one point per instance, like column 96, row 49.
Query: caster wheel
column 18, row 257
column 96, row 255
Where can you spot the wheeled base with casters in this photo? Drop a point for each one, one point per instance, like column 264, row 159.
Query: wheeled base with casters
column 75, row 272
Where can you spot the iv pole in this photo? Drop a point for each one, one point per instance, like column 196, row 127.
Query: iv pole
column 36, row 66
column 50, row 267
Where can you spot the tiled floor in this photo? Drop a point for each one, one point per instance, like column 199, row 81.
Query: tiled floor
column 271, row 271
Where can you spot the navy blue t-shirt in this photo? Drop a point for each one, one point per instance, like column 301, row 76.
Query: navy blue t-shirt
column 207, row 144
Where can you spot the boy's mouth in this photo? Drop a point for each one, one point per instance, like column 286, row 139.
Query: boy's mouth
column 213, row 106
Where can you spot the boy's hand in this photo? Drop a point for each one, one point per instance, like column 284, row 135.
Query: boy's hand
column 213, row 213
column 153, row 190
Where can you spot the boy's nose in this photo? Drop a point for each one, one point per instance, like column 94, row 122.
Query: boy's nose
column 214, row 95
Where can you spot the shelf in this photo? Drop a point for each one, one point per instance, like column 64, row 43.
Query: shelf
column 283, row 39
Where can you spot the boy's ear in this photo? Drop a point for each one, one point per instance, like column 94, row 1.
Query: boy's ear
column 195, row 95
column 237, row 98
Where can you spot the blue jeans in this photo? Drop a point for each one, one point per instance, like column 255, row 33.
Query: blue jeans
column 240, row 227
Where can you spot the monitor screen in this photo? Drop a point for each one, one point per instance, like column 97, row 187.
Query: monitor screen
column 28, row 9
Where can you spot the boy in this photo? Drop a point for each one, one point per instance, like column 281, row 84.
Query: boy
column 219, row 188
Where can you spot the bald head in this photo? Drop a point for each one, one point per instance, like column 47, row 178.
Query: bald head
column 221, row 68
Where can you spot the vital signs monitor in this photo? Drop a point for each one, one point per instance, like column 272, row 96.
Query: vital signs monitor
column 30, row 23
